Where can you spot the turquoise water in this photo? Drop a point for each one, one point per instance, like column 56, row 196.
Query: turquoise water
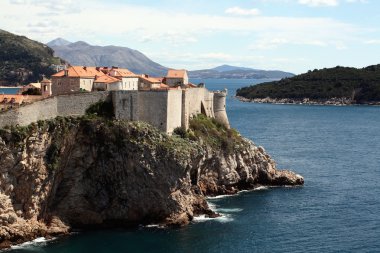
column 336, row 149
column 8, row 91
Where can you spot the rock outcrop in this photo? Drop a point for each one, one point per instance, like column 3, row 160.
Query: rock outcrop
column 84, row 173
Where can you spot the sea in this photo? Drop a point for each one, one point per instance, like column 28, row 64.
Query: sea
column 8, row 90
column 335, row 148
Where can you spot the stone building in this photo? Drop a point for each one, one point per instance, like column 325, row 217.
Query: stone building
column 74, row 79
column 177, row 77
column 46, row 87
column 129, row 80
column 146, row 82
column 106, row 82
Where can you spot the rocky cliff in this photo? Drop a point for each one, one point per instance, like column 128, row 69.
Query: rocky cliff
column 89, row 172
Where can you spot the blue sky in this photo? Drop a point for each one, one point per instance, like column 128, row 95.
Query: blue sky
column 290, row 35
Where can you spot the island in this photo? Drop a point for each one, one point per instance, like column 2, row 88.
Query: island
column 334, row 86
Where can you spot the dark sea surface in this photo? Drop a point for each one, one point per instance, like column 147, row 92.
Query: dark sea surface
column 336, row 149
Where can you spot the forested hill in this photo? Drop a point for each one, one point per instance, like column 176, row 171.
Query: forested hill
column 23, row 60
column 360, row 85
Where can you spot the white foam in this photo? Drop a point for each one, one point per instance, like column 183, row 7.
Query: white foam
column 154, row 226
column 261, row 188
column 229, row 210
column 220, row 197
column 40, row 241
column 224, row 218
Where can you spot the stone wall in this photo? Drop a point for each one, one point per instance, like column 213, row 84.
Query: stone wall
column 125, row 104
column 76, row 104
column 174, row 110
column 27, row 114
column 164, row 109
column 64, row 105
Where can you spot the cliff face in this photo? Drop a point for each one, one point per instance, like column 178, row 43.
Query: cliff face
column 76, row 173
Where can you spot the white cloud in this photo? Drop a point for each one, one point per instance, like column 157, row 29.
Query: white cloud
column 372, row 42
column 316, row 3
column 242, row 12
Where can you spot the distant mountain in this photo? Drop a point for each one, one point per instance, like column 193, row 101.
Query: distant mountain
column 23, row 60
column 58, row 42
column 225, row 68
column 359, row 85
column 82, row 53
column 233, row 72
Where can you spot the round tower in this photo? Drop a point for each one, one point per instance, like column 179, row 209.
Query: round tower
column 220, row 107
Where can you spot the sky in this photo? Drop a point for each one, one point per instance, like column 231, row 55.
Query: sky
column 288, row 35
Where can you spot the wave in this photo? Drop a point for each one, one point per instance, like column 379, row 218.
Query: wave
column 38, row 242
column 261, row 188
column 229, row 210
column 224, row 218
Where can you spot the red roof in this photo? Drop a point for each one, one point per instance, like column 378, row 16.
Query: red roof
column 80, row 71
column 121, row 72
column 106, row 79
column 11, row 99
column 174, row 73
column 151, row 79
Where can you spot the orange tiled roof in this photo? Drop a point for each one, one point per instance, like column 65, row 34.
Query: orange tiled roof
column 106, row 79
column 117, row 72
column 8, row 99
column 80, row 71
column 174, row 73
column 151, row 79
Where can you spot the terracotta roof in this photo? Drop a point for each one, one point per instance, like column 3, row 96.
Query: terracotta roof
column 106, row 79
column 191, row 85
column 174, row 73
column 151, row 79
column 117, row 72
column 8, row 99
column 80, row 71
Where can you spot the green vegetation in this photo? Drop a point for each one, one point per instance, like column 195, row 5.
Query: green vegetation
column 102, row 109
column 211, row 132
column 361, row 85
column 23, row 60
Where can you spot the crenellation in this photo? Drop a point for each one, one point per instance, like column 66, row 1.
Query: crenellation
column 165, row 108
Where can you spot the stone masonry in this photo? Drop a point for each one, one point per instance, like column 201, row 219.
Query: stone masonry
column 164, row 109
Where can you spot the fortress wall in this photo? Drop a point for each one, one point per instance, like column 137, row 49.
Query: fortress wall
column 76, row 104
column 197, row 96
column 220, row 108
column 24, row 115
column 153, row 108
column 125, row 104
column 174, row 111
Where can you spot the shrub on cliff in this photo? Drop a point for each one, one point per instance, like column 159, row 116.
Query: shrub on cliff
column 211, row 132
column 102, row 109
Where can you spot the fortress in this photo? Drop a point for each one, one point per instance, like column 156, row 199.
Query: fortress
column 164, row 108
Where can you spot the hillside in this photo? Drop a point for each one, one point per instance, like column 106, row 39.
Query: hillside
column 357, row 85
column 233, row 72
column 82, row 53
column 23, row 60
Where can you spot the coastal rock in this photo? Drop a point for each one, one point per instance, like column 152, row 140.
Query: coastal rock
column 82, row 173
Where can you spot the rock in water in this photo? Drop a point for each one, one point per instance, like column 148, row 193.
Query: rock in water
column 79, row 173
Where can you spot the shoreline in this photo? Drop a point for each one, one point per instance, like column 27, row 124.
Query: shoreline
column 306, row 101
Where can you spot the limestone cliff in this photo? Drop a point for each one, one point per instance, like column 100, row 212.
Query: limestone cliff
column 81, row 172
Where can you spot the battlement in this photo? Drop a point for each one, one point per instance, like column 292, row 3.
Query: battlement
column 164, row 109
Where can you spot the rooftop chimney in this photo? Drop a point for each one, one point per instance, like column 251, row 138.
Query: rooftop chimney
column 84, row 67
